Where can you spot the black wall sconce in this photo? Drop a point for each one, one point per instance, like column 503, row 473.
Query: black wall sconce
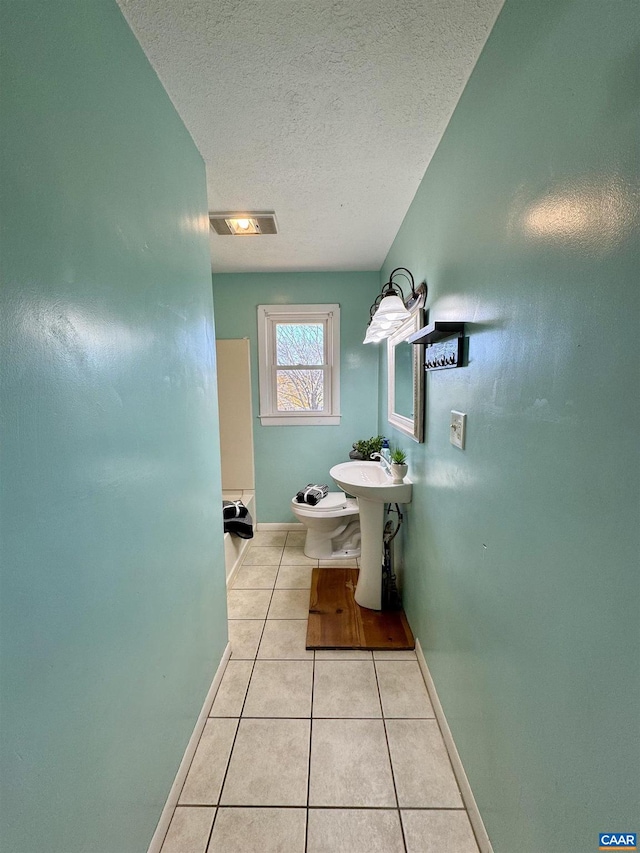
column 390, row 309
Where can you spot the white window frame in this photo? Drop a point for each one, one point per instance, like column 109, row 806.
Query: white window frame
column 268, row 317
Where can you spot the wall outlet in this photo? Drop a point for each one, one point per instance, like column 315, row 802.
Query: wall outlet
column 458, row 429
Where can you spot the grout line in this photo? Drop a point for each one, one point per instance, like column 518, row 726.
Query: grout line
column 248, row 619
column 215, row 815
column 313, row 684
column 324, row 808
column 235, row 737
column 393, row 776
column 268, row 716
column 298, row 717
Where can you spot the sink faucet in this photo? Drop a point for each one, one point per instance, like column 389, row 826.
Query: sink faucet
column 384, row 462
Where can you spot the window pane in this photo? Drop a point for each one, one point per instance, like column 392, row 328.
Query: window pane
column 299, row 343
column 300, row 390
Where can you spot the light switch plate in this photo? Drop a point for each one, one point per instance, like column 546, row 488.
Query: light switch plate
column 458, row 429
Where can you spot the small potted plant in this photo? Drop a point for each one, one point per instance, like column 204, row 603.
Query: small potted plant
column 399, row 465
column 365, row 447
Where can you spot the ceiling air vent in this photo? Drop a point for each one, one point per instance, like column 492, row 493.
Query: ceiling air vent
column 243, row 224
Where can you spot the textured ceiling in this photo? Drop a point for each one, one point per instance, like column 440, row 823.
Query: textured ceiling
column 326, row 111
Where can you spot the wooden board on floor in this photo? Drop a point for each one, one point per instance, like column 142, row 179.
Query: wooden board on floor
column 336, row 621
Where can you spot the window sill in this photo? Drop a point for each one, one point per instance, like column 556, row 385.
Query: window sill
column 300, row 420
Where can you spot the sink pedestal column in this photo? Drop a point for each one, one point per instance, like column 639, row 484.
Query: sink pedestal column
column 370, row 484
column 369, row 589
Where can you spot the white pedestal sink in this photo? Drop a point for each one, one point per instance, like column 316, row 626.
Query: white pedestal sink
column 373, row 487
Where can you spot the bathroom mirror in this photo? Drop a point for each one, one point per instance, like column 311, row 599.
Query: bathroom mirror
column 405, row 379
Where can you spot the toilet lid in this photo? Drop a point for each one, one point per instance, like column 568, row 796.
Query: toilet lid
column 334, row 500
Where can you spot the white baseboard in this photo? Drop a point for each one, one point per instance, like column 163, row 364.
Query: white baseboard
column 234, row 549
column 465, row 788
column 234, row 546
column 234, row 571
column 280, row 525
column 172, row 800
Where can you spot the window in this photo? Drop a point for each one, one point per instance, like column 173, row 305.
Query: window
column 299, row 361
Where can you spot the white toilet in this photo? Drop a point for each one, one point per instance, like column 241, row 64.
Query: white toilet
column 333, row 527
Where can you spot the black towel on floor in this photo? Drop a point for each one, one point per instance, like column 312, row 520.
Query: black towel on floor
column 234, row 509
column 312, row 493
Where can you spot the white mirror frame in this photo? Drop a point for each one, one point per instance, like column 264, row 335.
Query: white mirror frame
column 413, row 427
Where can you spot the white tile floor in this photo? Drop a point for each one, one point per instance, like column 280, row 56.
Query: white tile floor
column 303, row 752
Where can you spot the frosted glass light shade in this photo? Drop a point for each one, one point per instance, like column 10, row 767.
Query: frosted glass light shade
column 379, row 330
column 383, row 322
column 392, row 308
column 375, row 334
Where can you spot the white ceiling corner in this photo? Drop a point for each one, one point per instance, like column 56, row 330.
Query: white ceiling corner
column 326, row 111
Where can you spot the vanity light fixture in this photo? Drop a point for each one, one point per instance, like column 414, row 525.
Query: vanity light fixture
column 390, row 309
column 243, row 224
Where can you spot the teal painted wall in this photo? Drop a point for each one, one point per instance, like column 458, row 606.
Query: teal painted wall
column 113, row 606
column 522, row 551
column 288, row 457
